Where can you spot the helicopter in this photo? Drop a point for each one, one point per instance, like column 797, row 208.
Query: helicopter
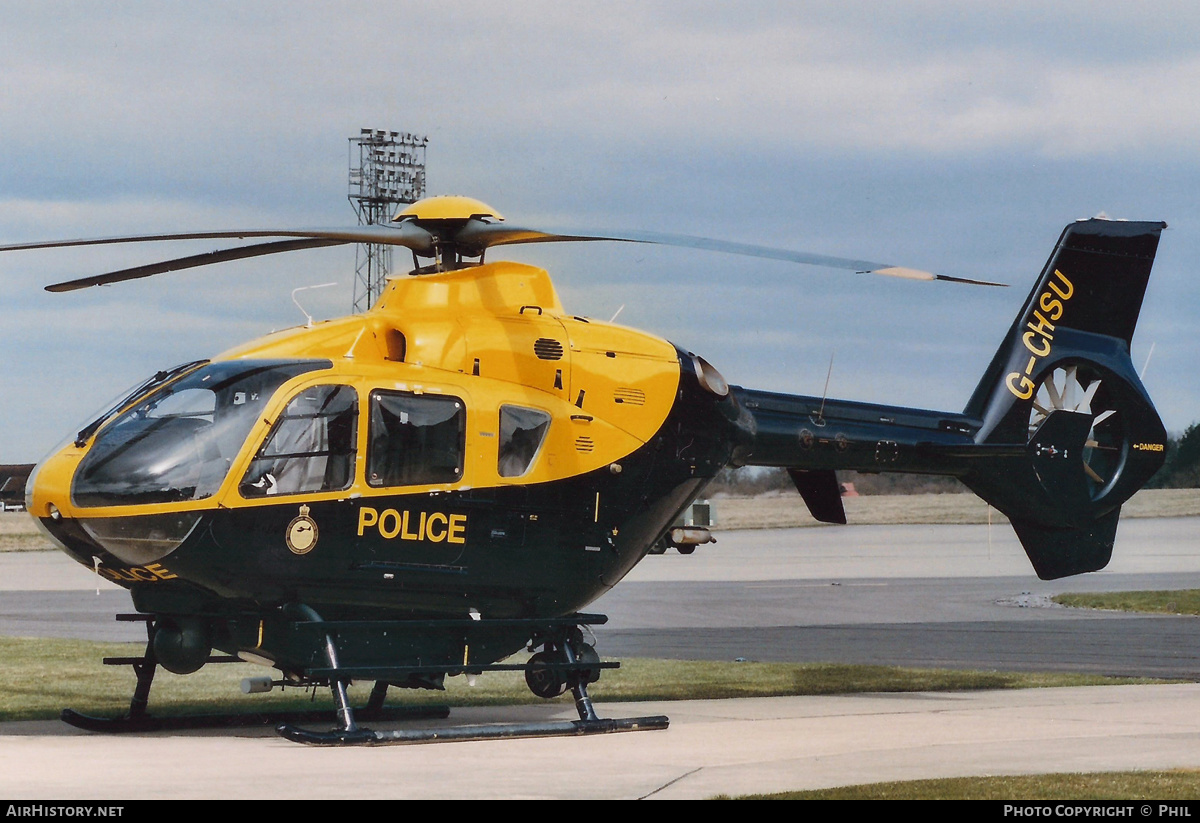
column 425, row 489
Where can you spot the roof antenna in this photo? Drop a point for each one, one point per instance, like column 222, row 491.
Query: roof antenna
column 1146, row 365
column 614, row 317
column 820, row 418
column 309, row 324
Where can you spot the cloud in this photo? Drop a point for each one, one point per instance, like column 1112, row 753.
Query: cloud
column 953, row 137
column 176, row 89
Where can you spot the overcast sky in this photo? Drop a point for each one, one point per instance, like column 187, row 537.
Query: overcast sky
column 955, row 137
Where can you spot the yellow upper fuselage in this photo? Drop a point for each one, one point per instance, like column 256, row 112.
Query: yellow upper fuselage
column 488, row 335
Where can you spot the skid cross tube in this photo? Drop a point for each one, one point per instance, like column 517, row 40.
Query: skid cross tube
column 558, row 634
column 139, row 719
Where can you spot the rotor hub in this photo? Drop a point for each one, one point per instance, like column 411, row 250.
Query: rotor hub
column 446, row 207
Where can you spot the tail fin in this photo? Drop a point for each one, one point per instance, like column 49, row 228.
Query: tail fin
column 1062, row 383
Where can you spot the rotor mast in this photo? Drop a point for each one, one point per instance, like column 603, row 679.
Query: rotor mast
column 387, row 170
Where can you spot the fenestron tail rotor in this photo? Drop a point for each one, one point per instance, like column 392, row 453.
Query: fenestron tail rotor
column 1080, row 388
column 451, row 231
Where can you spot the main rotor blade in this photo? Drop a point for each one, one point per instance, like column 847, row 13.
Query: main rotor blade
column 478, row 235
column 193, row 261
column 406, row 234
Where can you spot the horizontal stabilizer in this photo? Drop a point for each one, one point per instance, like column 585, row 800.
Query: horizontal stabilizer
column 822, row 494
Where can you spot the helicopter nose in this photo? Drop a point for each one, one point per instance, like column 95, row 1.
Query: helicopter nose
column 35, row 504
column 31, row 496
column 48, row 489
column 30, row 480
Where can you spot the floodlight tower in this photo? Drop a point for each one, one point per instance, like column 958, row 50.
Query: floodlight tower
column 387, row 170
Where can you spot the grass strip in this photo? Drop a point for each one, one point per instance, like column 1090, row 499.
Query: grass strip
column 1179, row 784
column 1179, row 601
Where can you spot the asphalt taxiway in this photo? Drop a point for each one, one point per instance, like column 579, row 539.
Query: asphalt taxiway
column 960, row 596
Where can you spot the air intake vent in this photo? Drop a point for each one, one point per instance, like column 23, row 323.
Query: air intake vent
column 547, row 348
column 584, row 444
column 636, row 397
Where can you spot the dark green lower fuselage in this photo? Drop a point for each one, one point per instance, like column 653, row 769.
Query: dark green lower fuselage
column 530, row 551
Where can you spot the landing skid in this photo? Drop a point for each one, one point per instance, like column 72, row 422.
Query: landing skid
column 350, row 734
column 501, row 731
column 138, row 719
column 566, row 662
column 153, row 723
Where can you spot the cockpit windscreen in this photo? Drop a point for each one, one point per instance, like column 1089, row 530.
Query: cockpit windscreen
column 178, row 442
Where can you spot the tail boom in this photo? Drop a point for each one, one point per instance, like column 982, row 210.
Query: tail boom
column 1059, row 433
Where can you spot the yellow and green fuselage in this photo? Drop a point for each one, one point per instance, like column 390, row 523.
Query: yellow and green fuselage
column 465, row 445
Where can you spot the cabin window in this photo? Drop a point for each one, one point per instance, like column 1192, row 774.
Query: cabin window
column 415, row 439
column 311, row 447
column 522, row 432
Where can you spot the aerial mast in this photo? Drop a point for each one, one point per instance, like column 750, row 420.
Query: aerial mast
column 387, row 170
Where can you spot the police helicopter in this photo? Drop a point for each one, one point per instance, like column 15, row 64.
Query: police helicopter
column 427, row 488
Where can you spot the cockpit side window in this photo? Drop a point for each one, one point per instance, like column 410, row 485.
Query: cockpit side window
column 415, row 439
column 522, row 432
column 311, row 448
